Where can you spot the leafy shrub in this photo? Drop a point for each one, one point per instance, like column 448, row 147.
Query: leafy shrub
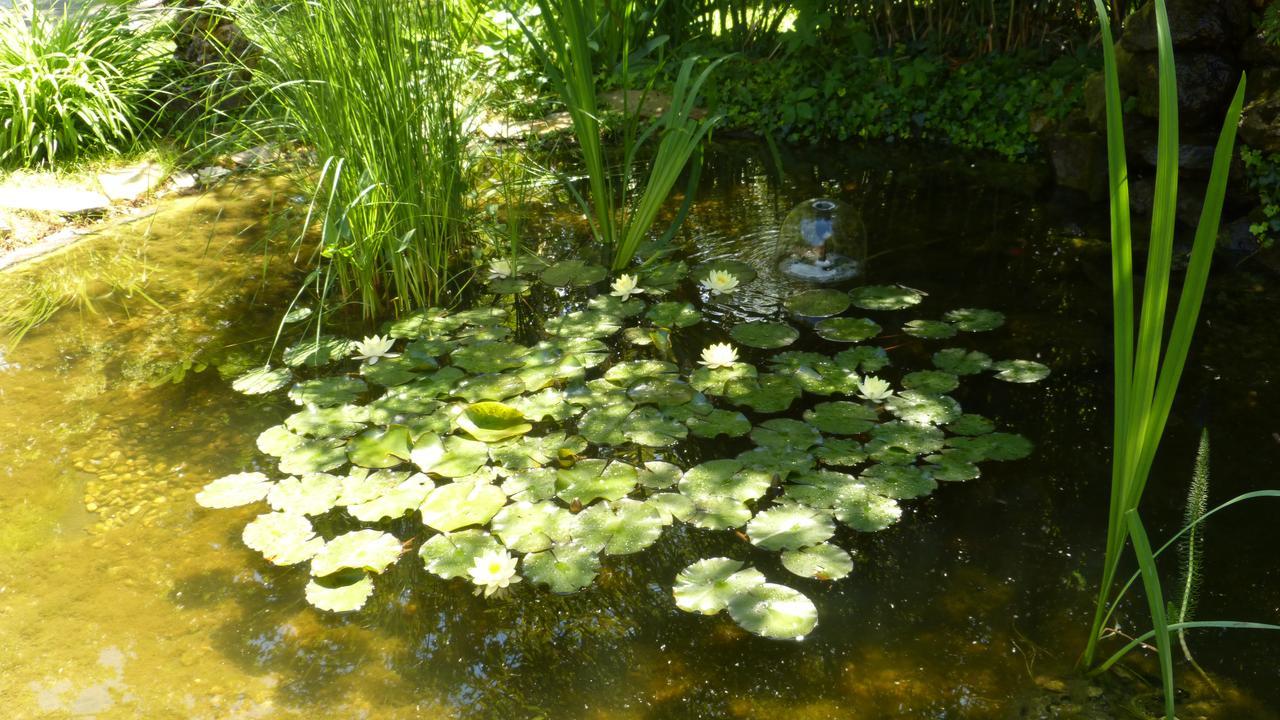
column 71, row 83
column 1263, row 173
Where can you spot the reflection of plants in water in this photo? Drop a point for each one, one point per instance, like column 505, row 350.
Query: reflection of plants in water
column 93, row 278
column 569, row 450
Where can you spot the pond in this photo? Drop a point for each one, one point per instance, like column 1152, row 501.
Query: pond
column 120, row 597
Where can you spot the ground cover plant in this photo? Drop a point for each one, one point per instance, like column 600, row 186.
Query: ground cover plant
column 493, row 461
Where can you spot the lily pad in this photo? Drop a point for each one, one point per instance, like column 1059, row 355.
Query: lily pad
column 723, row 479
column 605, row 425
column 953, row 467
column 490, row 386
column 390, row 372
column 492, row 421
column 764, row 335
column 929, row 329
column 564, row 568
column 380, row 447
column 661, row 392
column 744, row 272
column 529, row 527
column 717, row 380
column 672, row 506
column 708, row 585
column 900, row 482
column 631, row 372
column 371, row 550
column 673, row 315
column 993, row 446
column 840, row 452
column 768, row 393
column 970, row 424
column 461, row 503
column 975, row 319
column 647, row 426
column 452, row 555
column 311, row 456
column 790, row 527
column 573, row 273
column 461, row 457
column 719, row 513
column 311, row 494
column 923, row 408
column 549, row 403
column 785, row 434
column 261, row 381
column 822, row 562
column 282, row 538
column 531, row 485
column 595, row 479
column 866, row 511
column 583, row 324
column 332, row 422
column 961, row 362
column 774, row 611
column 842, row 417
column 618, row 528
column 850, row 330
column 659, row 475
column 1020, row 371
column 611, row 305
column 488, row 357
column 234, row 490
column 395, row 503
column 317, row 352
column 885, row 297
column 339, row 598
column 933, row 382
column 719, row 422
column 817, row 303
column 865, row 359
column 780, row 462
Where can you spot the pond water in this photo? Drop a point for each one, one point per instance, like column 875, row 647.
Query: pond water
column 121, row 598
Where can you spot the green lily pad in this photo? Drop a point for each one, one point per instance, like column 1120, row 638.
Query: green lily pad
column 672, row 506
column 744, row 272
column 296, row 315
column 970, row 424
column 311, row 494
column 866, row 511
column 885, row 297
column 549, row 403
column 316, row 352
column 311, row 456
column 234, row 490
column 719, row 513
column 647, row 426
column 785, row 434
column 814, row 373
column 489, row 357
column 531, row 484
column 789, row 527
column 460, row 457
column 708, row 585
column 452, row 555
column 764, row 335
column 573, row 273
column 850, row 330
column 332, row 422
column 380, row 447
column 631, row 372
column 961, row 362
column 774, row 611
column 595, row 479
column 394, row 503
column 563, row 569
column 605, row 425
column 933, row 382
column 371, row 550
column 768, row 393
column 1020, row 371
column 717, row 380
column 424, row 352
column 865, row 359
column 900, row 482
column 660, row 392
column 823, row 561
column 492, row 421
column 719, row 422
column 339, row 598
column 282, row 538
column 993, row 446
column 611, row 305
column 929, row 329
column 842, row 417
column 975, row 319
column 673, row 315
column 389, row 372
column 952, row 467
column 663, row 277
column 618, row 528
column 362, row 486
column 659, row 475
column 583, row 324
column 724, row 479
column 922, row 408
column 817, row 303
column 533, row 452
column 461, row 503
column 261, row 381
column 779, row 462
column 490, row 386
column 908, row 438
column 823, row 489
column 426, row 322
column 840, row 452
column 507, row 286
column 529, row 527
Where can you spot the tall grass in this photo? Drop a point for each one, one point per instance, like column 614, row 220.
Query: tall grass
column 374, row 89
column 72, row 82
column 1147, row 371
column 623, row 208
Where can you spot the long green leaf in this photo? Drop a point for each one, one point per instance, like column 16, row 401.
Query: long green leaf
column 1155, row 602
column 1175, row 627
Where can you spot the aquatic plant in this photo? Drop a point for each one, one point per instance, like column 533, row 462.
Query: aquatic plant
column 375, row 90
column 537, row 462
column 72, row 81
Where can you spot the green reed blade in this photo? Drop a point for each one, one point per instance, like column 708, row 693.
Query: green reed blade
column 1155, row 602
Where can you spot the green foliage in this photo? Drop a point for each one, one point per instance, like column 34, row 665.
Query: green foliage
column 1263, row 175
column 833, row 94
column 72, row 82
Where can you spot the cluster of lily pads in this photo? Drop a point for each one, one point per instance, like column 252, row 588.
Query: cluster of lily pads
column 494, row 461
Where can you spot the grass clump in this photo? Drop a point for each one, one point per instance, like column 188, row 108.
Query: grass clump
column 72, row 82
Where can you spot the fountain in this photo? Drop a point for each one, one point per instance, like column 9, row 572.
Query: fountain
column 822, row 241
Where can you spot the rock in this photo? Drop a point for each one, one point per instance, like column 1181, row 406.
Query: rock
column 254, row 156
column 1260, row 124
column 1194, row 25
column 1258, row 52
column 57, row 199
column 211, row 174
column 1079, row 161
column 1206, row 82
column 129, row 184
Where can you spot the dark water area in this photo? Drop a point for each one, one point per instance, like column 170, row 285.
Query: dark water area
column 974, row 606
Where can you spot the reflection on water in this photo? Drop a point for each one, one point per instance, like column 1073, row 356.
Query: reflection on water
column 119, row 598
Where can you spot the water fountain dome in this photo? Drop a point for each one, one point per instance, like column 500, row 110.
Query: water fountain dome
column 822, row 241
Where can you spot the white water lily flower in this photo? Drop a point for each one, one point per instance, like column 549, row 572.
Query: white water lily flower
column 499, row 269
column 374, row 348
column 493, row 571
column 626, row 286
column 874, row 389
column 719, row 355
column 720, row 282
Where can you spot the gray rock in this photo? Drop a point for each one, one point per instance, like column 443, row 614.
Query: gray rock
column 1215, row 25
column 1079, row 161
column 1260, row 124
column 56, row 199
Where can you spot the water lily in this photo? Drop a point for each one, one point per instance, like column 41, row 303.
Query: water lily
column 719, row 355
column 374, row 348
column 720, row 282
column 625, row 286
column 499, row 269
column 493, row 571
column 874, row 389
